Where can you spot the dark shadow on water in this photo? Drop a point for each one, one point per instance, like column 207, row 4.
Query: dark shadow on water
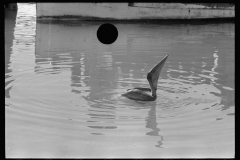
column 10, row 21
column 142, row 21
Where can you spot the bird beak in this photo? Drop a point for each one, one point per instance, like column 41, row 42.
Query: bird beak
column 160, row 65
column 157, row 69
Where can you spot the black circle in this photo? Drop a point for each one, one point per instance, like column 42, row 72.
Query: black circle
column 107, row 33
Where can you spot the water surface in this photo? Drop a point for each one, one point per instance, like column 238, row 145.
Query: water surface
column 63, row 89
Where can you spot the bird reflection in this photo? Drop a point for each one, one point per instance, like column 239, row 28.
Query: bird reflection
column 151, row 123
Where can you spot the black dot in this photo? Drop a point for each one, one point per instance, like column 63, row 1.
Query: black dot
column 107, row 33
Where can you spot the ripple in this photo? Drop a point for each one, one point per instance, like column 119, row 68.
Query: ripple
column 227, row 88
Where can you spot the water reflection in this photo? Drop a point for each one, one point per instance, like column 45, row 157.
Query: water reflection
column 98, row 73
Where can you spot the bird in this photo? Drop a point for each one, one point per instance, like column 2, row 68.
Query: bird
column 140, row 94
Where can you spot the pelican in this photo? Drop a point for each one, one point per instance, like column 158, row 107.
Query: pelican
column 140, row 94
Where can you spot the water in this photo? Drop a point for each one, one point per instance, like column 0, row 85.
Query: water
column 63, row 90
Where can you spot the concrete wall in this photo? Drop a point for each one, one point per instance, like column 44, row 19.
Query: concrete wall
column 124, row 11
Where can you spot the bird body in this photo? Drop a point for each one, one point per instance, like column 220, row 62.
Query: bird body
column 140, row 94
